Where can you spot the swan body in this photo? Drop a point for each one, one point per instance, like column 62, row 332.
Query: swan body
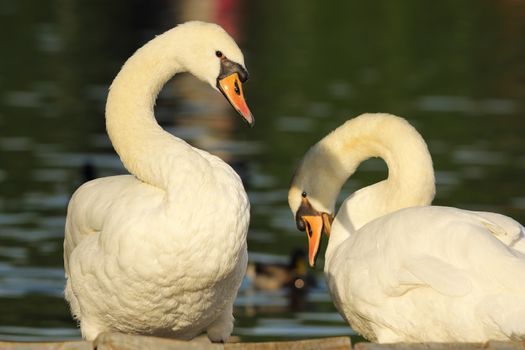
column 161, row 251
column 399, row 269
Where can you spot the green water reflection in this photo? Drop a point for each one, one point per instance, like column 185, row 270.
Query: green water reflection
column 455, row 69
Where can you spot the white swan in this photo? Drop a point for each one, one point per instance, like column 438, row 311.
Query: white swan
column 398, row 269
column 161, row 251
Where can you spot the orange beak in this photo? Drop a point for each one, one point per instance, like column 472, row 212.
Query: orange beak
column 314, row 229
column 231, row 88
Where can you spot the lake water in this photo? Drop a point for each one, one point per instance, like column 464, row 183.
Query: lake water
column 455, row 69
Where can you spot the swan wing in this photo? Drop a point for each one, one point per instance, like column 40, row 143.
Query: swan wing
column 428, row 271
column 89, row 208
column 451, row 250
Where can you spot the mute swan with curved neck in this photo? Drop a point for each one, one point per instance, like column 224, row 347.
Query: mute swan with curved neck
column 161, row 251
column 399, row 269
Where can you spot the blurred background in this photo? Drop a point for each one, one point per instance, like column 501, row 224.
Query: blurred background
column 455, row 69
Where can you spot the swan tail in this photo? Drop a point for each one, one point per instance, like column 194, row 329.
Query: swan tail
column 503, row 264
column 504, row 228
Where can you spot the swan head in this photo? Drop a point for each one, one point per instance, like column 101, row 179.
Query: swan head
column 311, row 202
column 206, row 51
column 314, row 222
column 314, row 190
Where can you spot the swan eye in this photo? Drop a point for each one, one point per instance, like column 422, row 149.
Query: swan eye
column 303, row 194
column 218, row 54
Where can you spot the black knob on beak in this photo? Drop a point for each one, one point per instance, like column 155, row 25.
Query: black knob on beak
column 300, row 224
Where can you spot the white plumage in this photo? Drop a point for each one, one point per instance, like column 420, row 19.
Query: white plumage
column 162, row 251
column 398, row 269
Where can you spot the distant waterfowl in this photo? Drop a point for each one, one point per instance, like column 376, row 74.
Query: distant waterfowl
column 398, row 269
column 272, row 276
column 161, row 251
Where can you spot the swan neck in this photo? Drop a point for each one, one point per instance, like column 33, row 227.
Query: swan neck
column 329, row 164
column 410, row 180
column 130, row 120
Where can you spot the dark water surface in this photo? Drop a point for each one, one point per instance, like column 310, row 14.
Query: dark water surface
column 455, row 69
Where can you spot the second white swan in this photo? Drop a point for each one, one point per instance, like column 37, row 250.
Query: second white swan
column 398, row 269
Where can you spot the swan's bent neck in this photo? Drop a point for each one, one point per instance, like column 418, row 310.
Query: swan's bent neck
column 329, row 163
column 410, row 179
column 130, row 121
